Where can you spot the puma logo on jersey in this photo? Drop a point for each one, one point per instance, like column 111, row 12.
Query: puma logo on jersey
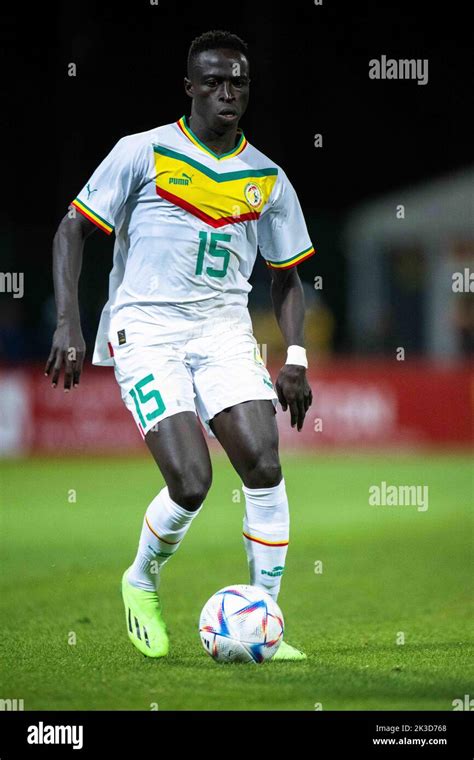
column 89, row 191
column 179, row 180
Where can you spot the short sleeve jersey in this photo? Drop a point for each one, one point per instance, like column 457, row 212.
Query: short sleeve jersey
column 188, row 223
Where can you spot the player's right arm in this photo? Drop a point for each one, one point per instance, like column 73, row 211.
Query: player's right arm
column 99, row 204
column 68, row 346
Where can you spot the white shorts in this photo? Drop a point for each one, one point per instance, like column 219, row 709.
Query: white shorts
column 200, row 374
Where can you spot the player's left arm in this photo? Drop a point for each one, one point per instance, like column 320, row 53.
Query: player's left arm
column 292, row 385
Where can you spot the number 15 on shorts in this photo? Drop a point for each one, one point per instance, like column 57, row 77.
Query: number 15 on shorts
column 149, row 405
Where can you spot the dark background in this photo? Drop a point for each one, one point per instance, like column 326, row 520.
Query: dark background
column 309, row 71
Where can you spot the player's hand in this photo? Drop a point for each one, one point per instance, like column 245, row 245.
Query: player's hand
column 293, row 391
column 68, row 349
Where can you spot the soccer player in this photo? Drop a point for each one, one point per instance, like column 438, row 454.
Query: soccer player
column 189, row 203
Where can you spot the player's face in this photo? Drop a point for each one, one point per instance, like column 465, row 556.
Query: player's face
column 220, row 86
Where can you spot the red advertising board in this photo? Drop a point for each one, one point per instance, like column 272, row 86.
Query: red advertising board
column 355, row 404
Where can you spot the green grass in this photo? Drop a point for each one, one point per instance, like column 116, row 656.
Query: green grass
column 385, row 570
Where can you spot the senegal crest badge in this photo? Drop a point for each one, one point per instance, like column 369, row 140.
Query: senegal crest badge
column 253, row 194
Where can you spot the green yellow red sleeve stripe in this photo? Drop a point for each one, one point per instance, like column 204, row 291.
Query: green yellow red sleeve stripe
column 93, row 216
column 293, row 260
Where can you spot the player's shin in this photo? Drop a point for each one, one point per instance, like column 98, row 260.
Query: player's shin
column 164, row 527
column 266, row 527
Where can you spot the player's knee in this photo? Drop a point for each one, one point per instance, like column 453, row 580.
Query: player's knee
column 264, row 474
column 192, row 489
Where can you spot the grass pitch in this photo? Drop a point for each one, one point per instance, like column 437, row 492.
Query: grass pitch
column 389, row 575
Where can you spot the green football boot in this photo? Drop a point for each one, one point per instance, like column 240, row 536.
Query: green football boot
column 287, row 652
column 145, row 625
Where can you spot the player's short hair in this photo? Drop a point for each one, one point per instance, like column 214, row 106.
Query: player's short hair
column 216, row 38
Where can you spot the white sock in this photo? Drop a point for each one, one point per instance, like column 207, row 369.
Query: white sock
column 164, row 526
column 266, row 527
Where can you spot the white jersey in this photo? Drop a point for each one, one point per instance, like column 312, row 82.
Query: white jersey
column 187, row 225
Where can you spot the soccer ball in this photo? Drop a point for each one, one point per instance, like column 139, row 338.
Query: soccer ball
column 241, row 624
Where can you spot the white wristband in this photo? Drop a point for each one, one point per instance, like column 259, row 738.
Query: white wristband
column 297, row 355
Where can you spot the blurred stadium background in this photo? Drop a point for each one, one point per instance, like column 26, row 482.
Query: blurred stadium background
column 390, row 347
column 386, row 275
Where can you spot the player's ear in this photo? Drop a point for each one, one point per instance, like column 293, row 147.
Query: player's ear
column 188, row 86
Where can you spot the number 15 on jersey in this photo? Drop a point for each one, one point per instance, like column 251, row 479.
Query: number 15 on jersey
column 208, row 246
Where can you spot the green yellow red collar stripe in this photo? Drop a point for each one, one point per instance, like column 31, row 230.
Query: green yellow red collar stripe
column 186, row 130
column 93, row 216
column 216, row 176
column 293, row 260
